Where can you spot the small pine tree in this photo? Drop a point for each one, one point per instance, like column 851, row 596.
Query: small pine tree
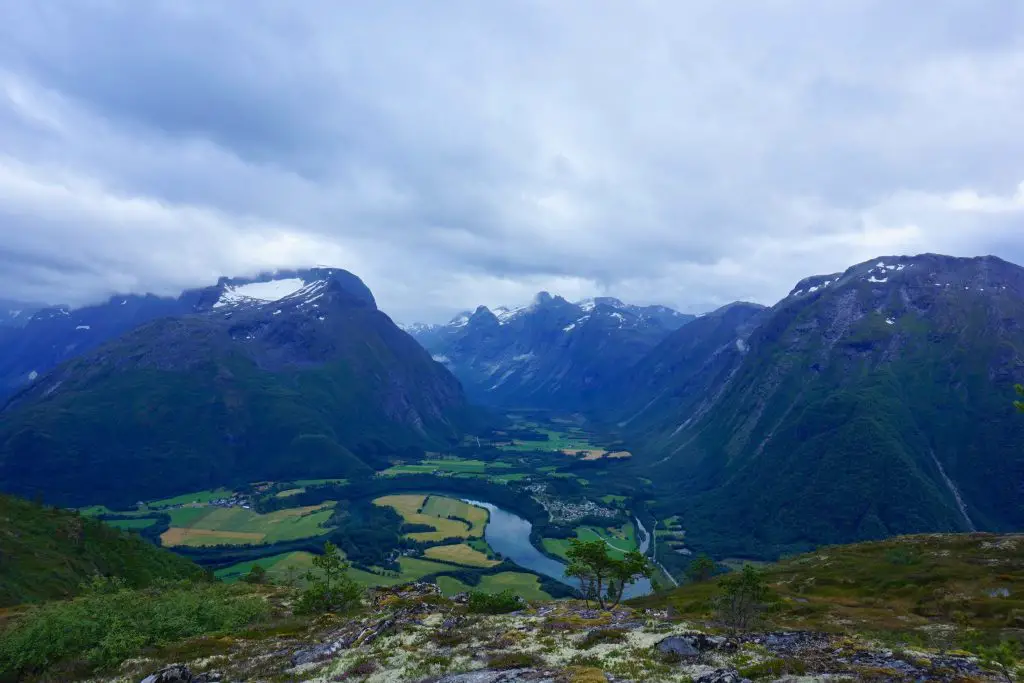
column 1003, row 659
column 330, row 588
column 256, row 575
column 1020, row 392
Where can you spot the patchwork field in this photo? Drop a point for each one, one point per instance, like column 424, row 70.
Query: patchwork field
column 412, row 508
column 460, row 554
column 413, row 569
column 279, row 567
column 442, row 506
column 448, row 465
column 525, row 585
column 198, row 526
column 620, row 540
column 186, row 498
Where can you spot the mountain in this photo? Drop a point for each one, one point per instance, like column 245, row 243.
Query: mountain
column 549, row 354
column 297, row 374
column 48, row 553
column 865, row 404
column 16, row 313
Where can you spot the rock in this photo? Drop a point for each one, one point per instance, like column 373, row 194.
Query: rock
column 172, row 674
column 722, row 676
column 490, row 676
column 313, row 654
column 677, row 647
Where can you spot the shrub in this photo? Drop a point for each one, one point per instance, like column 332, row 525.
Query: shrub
column 494, row 603
column 513, row 660
column 109, row 625
column 602, row 635
column 256, row 575
column 330, row 589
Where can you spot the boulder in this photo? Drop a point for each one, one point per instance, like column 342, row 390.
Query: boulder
column 491, row 676
column 677, row 647
column 172, row 674
column 722, row 676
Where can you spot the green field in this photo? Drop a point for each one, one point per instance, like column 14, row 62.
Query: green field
column 524, row 585
column 186, row 498
column 413, row 569
column 620, row 540
column 443, row 507
column 198, row 526
column 302, row 483
column 451, row 465
column 128, row 524
column 278, row 567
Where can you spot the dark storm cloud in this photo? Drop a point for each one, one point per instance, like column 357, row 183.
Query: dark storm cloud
column 457, row 153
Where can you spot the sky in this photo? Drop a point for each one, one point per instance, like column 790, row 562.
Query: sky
column 460, row 153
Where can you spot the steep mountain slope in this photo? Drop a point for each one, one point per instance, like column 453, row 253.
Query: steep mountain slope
column 550, row 354
column 47, row 553
column 16, row 313
column 681, row 374
column 287, row 377
column 869, row 403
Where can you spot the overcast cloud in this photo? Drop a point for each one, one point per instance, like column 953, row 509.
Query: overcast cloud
column 457, row 153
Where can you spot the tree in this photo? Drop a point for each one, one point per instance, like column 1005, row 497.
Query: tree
column 1020, row 392
column 743, row 597
column 1003, row 658
column 603, row 578
column 330, row 588
column 701, row 569
column 256, row 575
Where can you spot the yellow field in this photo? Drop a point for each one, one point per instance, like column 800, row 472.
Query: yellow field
column 443, row 507
column 596, row 453
column 179, row 536
column 460, row 554
column 408, row 506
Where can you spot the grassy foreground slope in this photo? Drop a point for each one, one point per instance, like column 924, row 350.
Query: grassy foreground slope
column 901, row 585
column 46, row 553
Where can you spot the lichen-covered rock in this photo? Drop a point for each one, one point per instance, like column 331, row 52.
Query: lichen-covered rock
column 677, row 647
column 722, row 676
column 172, row 674
column 490, row 676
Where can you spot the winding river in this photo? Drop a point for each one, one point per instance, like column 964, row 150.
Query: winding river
column 509, row 535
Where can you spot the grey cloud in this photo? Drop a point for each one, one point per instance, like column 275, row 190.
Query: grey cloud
column 684, row 153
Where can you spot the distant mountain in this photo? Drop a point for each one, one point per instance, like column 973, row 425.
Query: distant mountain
column 865, row 404
column 549, row 354
column 16, row 313
column 48, row 553
column 281, row 376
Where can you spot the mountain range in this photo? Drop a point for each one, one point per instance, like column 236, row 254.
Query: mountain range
column 549, row 354
column 866, row 403
column 296, row 374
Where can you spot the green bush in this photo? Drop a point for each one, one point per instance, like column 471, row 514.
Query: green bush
column 330, row 589
column 494, row 603
column 112, row 623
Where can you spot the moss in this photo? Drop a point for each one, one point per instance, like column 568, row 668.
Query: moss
column 586, row 674
column 773, row 668
column 513, row 660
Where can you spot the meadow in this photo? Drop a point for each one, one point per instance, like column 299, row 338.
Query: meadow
column 620, row 540
column 524, row 585
column 208, row 525
column 414, row 510
column 462, row 554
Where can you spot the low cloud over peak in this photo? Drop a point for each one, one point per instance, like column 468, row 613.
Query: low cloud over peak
column 465, row 153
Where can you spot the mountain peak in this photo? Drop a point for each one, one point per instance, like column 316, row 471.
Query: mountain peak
column 303, row 286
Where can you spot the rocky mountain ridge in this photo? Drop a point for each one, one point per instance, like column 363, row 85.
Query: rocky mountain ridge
column 551, row 353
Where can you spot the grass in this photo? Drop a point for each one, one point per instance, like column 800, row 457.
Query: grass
column 893, row 586
column 451, row 465
column 409, row 506
column 442, row 506
column 129, row 524
column 460, row 554
column 412, row 569
column 525, row 585
column 288, row 493
column 279, row 567
column 200, row 526
column 620, row 540
column 317, row 482
column 186, row 498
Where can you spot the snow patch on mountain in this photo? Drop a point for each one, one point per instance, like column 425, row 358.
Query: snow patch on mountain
column 259, row 292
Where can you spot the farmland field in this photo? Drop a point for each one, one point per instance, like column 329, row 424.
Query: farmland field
column 413, row 569
column 277, row 566
column 620, row 540
column 409, row 506
column 460, row 554
column 441, row 506
column 198, row 526
column 128, row 524
column 185, row 499
column 522, row 584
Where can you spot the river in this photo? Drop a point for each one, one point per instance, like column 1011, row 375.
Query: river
column 509, row 535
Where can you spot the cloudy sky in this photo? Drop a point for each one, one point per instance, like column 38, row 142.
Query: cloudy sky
column 462, row 152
